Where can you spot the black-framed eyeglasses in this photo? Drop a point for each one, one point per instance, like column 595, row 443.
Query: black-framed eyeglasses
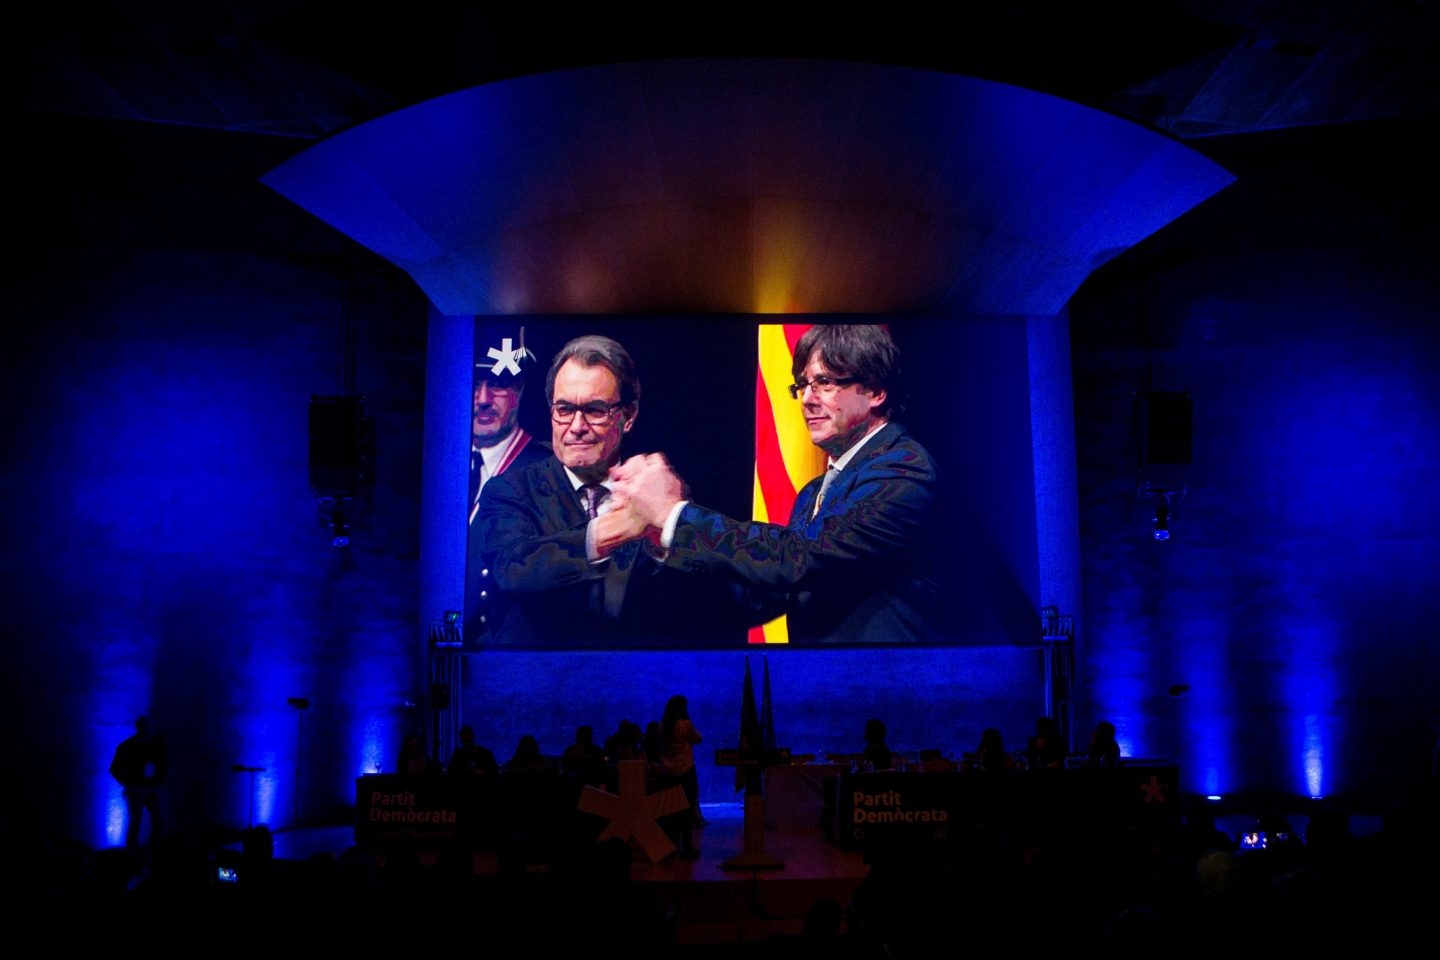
column 597, row 414
column 824, row 386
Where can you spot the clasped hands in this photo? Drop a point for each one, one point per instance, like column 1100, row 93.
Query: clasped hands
column 643, row 491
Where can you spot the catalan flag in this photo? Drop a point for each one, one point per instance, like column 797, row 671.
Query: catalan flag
column 785, row 459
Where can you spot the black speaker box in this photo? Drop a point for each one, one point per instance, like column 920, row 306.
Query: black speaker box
column 1165, row 423
column 339, row 444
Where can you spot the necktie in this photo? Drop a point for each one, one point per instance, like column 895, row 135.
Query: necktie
column 830, row 476
column 593, row 494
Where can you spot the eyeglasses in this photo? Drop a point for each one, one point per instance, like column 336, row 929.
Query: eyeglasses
column 596, row 414
column 824, row 386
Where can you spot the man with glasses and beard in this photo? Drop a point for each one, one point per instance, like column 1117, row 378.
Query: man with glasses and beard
column 852, row 564
column 551, row 537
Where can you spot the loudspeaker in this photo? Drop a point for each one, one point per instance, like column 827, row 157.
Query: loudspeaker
column 1165, row 427
column 340, row 444
column 439, row 696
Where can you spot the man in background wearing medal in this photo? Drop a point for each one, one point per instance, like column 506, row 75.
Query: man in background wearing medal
column 497, row 443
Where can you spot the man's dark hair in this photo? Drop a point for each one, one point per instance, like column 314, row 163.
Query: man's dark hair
column 862, row 351
column 594, row 350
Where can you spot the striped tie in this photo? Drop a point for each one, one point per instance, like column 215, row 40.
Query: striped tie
column 830, row 476
column 593, row 493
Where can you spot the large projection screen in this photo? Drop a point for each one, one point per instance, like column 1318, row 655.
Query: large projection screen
column 968, row 404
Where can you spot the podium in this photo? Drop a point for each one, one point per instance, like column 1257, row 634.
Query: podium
column 752, row 855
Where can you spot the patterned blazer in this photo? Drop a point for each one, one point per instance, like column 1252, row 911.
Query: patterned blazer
column 543, row 591
column 478, row 582
column 862, row 570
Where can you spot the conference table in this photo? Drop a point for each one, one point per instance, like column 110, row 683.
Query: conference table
column 895, row 810
column 796, row 797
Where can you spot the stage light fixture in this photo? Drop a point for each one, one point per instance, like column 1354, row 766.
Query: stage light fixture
column 340, row 529
column 1166, row 499
column 335, row 518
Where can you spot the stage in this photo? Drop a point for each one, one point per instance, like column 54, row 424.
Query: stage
column 705, row 901
column 751, row 883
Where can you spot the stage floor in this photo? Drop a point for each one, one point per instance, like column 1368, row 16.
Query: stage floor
column 711, row 899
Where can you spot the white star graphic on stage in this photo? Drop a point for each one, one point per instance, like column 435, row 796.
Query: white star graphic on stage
column 505, row 358
column 633, row 813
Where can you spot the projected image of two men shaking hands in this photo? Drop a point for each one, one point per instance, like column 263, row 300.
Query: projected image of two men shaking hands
column 589, row 548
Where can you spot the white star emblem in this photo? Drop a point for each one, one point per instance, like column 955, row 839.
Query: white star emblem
column 505, row 358
column 633, row 813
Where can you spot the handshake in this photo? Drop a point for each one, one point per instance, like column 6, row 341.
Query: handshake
column 644, row 490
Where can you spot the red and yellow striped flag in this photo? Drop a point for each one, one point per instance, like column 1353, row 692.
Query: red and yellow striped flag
column 785, row 459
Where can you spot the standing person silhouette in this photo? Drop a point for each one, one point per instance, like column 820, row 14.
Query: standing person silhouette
column 678, row 738
column 139, row 766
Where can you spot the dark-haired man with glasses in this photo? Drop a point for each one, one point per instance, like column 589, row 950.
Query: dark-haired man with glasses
column 851, row 565
column 560, row 575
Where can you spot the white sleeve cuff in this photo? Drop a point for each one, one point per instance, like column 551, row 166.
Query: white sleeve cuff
column 592, row 553
column 667, row 533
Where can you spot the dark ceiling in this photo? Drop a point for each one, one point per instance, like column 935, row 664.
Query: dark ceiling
column 307, row 69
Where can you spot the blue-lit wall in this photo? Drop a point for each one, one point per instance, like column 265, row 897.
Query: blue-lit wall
column 170, row 319
column 1293, row 600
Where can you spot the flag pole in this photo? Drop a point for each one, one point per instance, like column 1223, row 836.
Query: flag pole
column 750, row 758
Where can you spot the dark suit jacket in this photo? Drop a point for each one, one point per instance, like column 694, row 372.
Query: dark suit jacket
column 478, row 582
column 545, row 590
column 864, row 570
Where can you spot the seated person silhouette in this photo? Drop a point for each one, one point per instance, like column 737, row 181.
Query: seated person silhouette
column 413, row 760
column 583, row 758
column 876, row 755
column 990, row 755
column 1104, row 751
column 1046, row 748
column 471, row 759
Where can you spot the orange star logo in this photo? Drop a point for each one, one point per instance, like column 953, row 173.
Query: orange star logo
column 1154, row 791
